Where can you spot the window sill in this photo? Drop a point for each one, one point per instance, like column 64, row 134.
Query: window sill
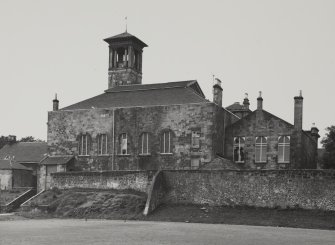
column 84, row 155
column 166, row 154
column 103, row 155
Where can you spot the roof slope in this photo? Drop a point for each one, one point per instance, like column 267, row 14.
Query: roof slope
column 125, row 36
column 24, row 151
column 7, row 165
column 184, row 92
column 56, row 160
column 252, row 114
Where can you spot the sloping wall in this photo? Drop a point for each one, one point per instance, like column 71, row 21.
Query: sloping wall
column 136, row 180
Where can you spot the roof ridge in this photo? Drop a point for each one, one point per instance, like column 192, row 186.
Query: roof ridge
column 165, row 85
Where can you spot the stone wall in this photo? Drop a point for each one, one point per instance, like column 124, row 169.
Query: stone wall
column 136, row 180
column 308, row 189
column 206, row 118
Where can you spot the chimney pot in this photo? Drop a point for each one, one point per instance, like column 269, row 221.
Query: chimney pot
column 217, row 92
column 55, row 103
column 260, row 101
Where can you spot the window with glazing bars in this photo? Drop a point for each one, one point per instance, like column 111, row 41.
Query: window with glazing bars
column 284, row 149
column 239, row 149
column 261, row 148
column 166, row 142
column 102, row 144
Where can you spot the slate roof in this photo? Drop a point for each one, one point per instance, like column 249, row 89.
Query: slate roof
column 184, row 92
column 56, row 160
column 124, row 36
column 7, row 165
column 264, row 111
column 25, row 151
column 236, row 106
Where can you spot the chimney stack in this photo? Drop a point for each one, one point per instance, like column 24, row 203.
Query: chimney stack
column 217, row 92
column 315, row 133
column 246, row 102
column 298, row 104
column 260, row 101
column 55, row 103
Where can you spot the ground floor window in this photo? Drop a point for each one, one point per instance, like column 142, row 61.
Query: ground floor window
column 144, row 144
column 123, row 144
column 166, row 142
column 83, row 144
column 239, row 143
column 102, row 144
column 284, row 149
column 260, row 149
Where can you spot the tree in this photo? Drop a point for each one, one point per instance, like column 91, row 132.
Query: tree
column 29, row 139
column 328, row 143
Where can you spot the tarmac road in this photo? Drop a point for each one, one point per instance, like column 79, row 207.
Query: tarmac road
column 74, row 231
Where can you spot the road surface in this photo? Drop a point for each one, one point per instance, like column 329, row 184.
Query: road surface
column 67, row 231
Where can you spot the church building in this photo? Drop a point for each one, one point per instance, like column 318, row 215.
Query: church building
column 135, row 126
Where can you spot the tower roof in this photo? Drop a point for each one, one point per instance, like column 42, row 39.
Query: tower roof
column 125, row 36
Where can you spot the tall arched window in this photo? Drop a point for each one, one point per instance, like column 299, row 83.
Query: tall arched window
column 84, row 142
column 166, row 142
column 123, row 144
column 239, row 149
column 284, row 149
column 102, row 144
column 144, row 144
column 261, row 148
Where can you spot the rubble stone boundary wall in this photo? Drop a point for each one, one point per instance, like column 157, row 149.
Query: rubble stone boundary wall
column 136, row 180
column 308, row 189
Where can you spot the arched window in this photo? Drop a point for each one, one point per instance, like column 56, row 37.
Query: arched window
column 102, row 144
column 239, row 149
column 123, row 144
column 144, row 144
column 84, row 142
column 166, row 142
column 284, row 149
column 261, row 148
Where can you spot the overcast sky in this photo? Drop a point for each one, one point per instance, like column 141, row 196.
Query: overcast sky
column 278, row 47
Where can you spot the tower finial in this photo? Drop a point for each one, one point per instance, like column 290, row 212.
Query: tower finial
column 55, row 96
column 126, row 19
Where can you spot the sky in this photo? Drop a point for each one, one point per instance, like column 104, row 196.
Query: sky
column 277, row 47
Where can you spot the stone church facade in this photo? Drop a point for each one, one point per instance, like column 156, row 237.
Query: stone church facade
column 135, row 126
column 139, row 126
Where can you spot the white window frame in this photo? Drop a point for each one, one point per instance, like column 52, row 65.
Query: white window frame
column 261, row 146
column 163, row 151
column 102, row 139
column 144, row 136
column 283, row 145
column 83, row 141
column 239, row 148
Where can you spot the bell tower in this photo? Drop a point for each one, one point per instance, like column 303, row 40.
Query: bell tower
column 125, row 60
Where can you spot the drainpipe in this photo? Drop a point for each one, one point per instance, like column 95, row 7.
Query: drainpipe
column 113, row 140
